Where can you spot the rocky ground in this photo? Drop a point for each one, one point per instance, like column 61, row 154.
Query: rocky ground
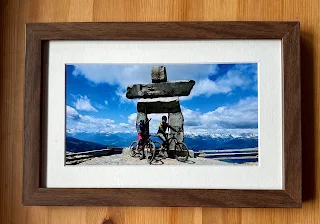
column 126, row 159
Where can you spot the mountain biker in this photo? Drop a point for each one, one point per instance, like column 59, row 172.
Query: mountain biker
column 163, row 125
column 142, row 129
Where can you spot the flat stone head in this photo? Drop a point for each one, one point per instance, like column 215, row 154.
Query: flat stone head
column 158, row 74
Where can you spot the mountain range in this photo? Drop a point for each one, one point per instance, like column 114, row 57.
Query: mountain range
column 83, row 141
column 77, row 145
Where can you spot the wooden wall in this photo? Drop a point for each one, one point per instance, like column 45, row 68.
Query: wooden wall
column 14, row 14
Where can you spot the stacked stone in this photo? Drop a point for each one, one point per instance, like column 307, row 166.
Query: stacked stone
column 161, row 96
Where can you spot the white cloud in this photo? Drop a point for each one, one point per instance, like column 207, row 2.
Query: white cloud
column 207, row 87
column 244, row 114
column 121, row 75
column 124, row 75
column 235, row 119
column 87, row 123
column 124, row 125
column 83, row 103
column 236, row 77
column 122, row 96
column 132, row 118
column 99, row 106
column 72, row 113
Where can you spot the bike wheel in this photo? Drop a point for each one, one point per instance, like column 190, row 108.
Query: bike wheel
column 181, row 152
column 133, row 148
column 150, row 152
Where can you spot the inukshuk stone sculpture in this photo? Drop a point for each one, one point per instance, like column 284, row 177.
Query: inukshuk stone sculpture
column 161, row 96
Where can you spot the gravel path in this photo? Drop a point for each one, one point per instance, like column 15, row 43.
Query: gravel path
column 125, row 159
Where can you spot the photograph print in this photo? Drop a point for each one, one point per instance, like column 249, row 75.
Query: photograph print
column 162, row 114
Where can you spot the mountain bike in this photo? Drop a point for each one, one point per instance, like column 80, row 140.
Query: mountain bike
column 181, row 151
column 147, row 149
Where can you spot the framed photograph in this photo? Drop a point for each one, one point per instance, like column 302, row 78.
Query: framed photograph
column 200, row 114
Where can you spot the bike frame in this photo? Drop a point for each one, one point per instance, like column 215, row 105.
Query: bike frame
column 173, row 138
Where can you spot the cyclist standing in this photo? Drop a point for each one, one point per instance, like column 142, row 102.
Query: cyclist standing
column 163, row 125
column 142, row 129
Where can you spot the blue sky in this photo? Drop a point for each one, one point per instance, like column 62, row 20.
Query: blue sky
column 223, row 100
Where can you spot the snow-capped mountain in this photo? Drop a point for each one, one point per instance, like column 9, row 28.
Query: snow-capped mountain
column 195, row 141
column 221, row 135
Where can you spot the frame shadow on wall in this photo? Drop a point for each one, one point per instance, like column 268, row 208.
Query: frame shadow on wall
column 308, row 119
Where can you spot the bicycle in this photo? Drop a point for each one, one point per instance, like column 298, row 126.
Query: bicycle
column 147, row 149
column 181, row 150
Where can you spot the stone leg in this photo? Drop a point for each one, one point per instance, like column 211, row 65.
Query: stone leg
column 176, row 120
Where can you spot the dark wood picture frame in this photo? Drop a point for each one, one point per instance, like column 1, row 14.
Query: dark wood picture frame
column 37, row 37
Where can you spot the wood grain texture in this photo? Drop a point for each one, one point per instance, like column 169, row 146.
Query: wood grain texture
column 159, row 30
column 292, row 113
column 15, row 13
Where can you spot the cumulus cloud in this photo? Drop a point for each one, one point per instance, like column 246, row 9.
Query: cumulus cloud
column 124, row 75
column 121, row 75
column 99, row 106
column 233, row 119
column 243, row 115
column 84, row 123
column 210, row 80
column 238, row 76
column 121, row 93
column 236, row 118
column 132, row 118
column 72, row 113
column 83, row 103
